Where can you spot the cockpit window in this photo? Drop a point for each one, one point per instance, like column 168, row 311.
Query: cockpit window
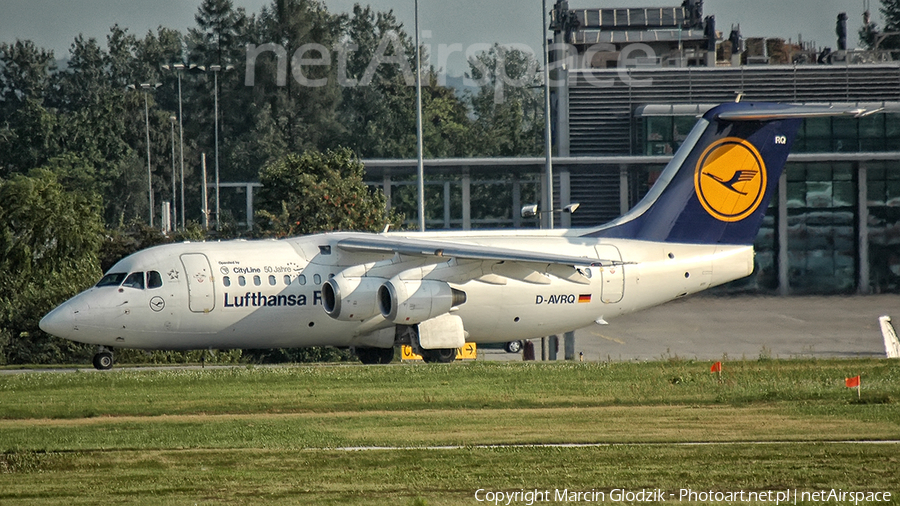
column 112, row 279
column 134, row 280
column 154, row 280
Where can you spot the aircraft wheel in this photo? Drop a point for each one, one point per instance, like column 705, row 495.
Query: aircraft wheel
column 440, row 355
column 103, row 361
column 372, row 356
column 386, row 355
column 513, row 346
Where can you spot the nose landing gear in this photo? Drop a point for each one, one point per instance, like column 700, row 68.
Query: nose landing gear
column 103, row 359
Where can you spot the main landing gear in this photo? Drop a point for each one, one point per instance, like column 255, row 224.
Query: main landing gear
column 513, row 346
column 103, row 359
column 439, row 356
column 373, row 356
column 408, row 335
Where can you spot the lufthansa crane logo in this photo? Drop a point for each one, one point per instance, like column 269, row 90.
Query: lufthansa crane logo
column 730, row 179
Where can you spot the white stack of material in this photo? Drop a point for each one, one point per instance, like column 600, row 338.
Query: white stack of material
column 891, row 344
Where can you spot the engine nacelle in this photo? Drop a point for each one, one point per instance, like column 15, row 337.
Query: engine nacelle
column 408, row 302
column 351, row 298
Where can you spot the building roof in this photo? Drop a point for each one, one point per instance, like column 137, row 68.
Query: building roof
column 619, row 19
column 629, row 36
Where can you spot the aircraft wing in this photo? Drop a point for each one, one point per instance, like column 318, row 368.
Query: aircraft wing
column 462, row 251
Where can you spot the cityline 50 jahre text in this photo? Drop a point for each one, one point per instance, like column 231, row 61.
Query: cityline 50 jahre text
column 785, row 496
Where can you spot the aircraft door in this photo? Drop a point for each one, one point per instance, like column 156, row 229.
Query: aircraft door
column 201, row 289
column 613, row 276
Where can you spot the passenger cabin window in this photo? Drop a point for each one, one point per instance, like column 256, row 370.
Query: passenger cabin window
column 154, row 279
column 287, row 280
column 134, row 280
column 301, row 279
column 112, row 279
column 257, row 281
column 226, row 280
column 242, row 280
column 272, row 280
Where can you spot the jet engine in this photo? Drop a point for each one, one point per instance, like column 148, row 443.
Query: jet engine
column 349, row 298
column 408, row 302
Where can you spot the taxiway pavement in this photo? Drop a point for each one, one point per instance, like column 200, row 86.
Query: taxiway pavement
column 737, row 327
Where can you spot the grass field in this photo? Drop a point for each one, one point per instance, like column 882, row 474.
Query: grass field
column 366, row 435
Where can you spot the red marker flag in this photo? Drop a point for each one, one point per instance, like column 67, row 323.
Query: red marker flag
column 717, row 367
column 852, row 382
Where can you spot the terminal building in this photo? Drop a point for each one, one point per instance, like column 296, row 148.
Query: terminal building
column 630, row 85
column 641, row 76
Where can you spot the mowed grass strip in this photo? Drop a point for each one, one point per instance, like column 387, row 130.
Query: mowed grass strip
column 611, row 424
column 407, row 387
column 266, row 435
column 446, row 477
column 457, row 404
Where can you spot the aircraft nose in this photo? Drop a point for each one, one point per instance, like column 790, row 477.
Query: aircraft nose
column 62, row 321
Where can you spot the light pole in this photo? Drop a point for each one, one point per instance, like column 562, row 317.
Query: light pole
column 178, row 68
column 548, row 141
column 215, row 69
column 419, row 147
column 146, row 87
column 174, row 213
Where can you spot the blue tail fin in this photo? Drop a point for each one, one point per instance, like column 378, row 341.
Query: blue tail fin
column 717, row 187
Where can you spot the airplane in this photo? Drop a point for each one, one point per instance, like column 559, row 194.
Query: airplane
column 435, row 291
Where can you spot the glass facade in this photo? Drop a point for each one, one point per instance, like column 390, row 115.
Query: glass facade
column 822, row 206
column 493, row 199
column 874, row 133
column 821, row 242
column 661, row 135
column 765, row 262
column 883, row 195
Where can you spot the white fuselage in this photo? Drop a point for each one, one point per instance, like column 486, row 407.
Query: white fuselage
column 268, row 293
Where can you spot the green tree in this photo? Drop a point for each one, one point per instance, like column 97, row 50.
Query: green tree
column 49, row 244
column 319, row 192
column 378, row 102
column 303, row 107
column 102, row 123
column 869, row 32
column 890, row 11
column 26, row 126
column 508, row 107
column 27, row 138
column 24, row 74
column 220, row 28
column 124, row 240
column 316, row 192
column 93, row 116
column 378, row 107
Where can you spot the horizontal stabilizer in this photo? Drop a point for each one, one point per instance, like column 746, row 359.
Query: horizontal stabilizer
column 795, row 112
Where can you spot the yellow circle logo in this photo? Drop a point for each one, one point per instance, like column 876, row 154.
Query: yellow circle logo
column 730, row 179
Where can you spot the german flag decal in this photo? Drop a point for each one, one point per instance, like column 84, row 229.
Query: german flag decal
column 585, row 297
